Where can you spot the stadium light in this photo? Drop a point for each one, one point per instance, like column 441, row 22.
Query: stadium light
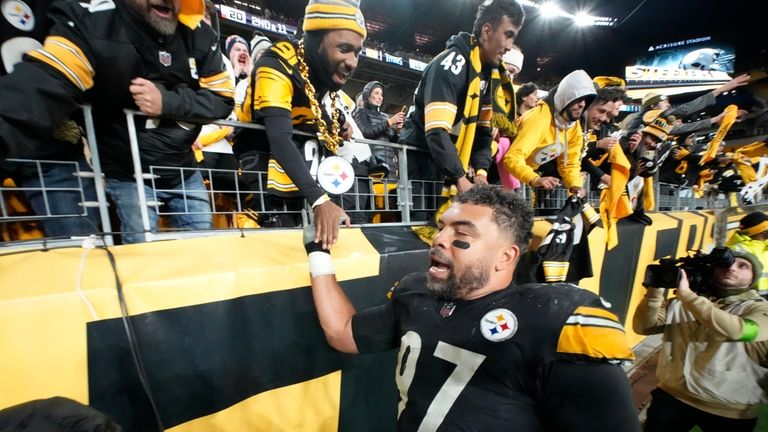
column 550, row 9
column 581, row 19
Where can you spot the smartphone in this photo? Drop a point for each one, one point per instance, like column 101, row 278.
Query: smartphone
column 404, row 109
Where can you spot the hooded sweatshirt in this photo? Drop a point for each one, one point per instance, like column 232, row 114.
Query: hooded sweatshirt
column 537, row 142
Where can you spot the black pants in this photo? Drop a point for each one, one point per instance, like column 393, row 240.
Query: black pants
column 667, row 414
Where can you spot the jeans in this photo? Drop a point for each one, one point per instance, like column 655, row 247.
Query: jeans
column 191, row 210
column 63, row 195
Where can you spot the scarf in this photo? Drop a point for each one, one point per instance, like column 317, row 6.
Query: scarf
column 731, row 111
column 614, row 202
column 470, row 118
column 471, row 107
column 743, row 159
column 504, row 103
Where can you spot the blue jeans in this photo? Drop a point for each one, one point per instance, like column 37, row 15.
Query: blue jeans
column 60, row 202
column 191, row 210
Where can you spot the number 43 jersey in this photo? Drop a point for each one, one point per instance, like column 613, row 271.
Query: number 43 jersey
column 527, row 358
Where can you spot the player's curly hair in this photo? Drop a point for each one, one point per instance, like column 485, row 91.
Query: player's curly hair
column 510, row 212
column 493, row 11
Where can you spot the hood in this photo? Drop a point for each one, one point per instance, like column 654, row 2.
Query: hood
column 575, row 85
column 462, row 41
column 367, row 93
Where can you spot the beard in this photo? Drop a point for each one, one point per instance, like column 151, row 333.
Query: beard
column 164, row 26
column 454, row 288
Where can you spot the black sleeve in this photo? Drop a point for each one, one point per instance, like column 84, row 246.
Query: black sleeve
column 588, row 397
column 30, row 112
column 214, row 99
column 691, row 107
column 375, row 329
column 689, row 127
column 370, row 130
column 46, row 87
column 443, row 152
column 277, row 123
column 481, row 149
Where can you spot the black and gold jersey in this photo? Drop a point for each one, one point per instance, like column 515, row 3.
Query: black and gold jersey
column 91, row 54
column 441, row 106
column 528, row 358
column 276, row 95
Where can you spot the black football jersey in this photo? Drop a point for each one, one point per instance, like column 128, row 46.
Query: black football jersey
column 495, row 363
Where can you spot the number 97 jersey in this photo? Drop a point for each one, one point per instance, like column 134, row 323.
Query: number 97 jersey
column 510, row 360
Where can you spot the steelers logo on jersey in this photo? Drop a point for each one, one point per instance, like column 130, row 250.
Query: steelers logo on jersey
column 498, row 325
column 546, row 154
column 19, row 14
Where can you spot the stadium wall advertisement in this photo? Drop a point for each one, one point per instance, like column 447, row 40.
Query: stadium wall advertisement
column 226, row 329
column 696, row 61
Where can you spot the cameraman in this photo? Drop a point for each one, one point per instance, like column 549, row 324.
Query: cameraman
column 714, row 353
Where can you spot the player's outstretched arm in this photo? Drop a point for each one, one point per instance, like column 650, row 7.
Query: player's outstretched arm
column 334, row 309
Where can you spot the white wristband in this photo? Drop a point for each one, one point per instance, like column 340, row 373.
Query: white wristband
column 320, row 263
column 321, row 200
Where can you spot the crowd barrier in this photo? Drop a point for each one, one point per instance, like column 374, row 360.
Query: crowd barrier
column 391, row 199
column 226, row 331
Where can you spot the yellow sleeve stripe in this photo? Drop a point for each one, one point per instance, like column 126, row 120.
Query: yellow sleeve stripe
column 439, row 115
column 278, row 179
column 596, row 333
column 221, row 84
column 596, row 312
column 555, row 271
column 273, row 89
column 219, row 78
column 437, row 125
column 595, row 341
column 67, row 58
column 273, row 165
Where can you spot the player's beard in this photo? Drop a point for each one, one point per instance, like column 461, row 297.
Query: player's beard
column 164, row 26
column 475, row 277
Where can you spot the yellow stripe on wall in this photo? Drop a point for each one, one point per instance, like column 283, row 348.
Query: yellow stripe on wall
column 318, row 400
column 43, row 318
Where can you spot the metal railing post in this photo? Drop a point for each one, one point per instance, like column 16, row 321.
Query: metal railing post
column 98, row 176
column 405, row 200
column 137, row 173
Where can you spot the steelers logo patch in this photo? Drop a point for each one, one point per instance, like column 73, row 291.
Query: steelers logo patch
column 18, row 14
column 498, row 325
column 335, row 175
column 546, row 154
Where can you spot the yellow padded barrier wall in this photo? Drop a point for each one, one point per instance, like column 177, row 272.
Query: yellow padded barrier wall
column 227, row 330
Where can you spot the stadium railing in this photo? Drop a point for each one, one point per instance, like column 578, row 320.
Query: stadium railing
column 388, row 201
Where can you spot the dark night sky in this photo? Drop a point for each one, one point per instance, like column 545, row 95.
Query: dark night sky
column 600, row 51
